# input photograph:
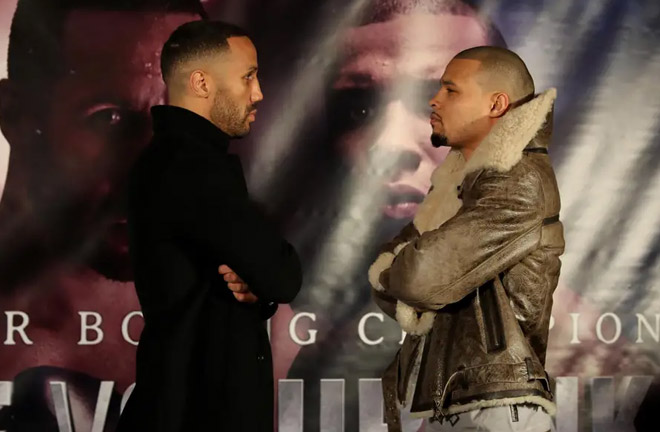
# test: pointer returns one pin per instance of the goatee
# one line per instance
(438, 140)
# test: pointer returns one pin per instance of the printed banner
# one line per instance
(340, 157)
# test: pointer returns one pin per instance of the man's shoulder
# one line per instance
(524, 178)
(181, 157)
(519, 172)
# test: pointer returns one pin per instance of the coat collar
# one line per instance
(503, 146)
(527, 125)
(168, 120)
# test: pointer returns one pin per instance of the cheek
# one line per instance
(241, 98)
(353, 146)
(89, 159)
(74, 148)
(460, 114)
(242, 91)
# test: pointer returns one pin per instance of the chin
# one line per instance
(241, 133)
(439, 140)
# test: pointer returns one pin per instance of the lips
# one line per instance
(403, 202)
(435, 118)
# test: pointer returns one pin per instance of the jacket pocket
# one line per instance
(491, 317)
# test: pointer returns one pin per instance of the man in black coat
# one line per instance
(209, 269)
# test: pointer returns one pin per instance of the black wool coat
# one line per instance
(204, 361)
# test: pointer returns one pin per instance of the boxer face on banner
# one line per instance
(388, 73)
(93, 123)
(73, 136)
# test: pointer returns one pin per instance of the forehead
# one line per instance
(117, 42)
(461, 70)
(114, 57)
(242, 50)
(418, 46)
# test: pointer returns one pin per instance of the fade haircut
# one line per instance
(195, 40)
(502, 70)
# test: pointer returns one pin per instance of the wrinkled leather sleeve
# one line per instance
(496, 227)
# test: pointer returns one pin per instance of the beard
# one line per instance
(227, 115)
(439, 140)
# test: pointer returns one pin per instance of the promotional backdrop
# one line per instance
(340, 157)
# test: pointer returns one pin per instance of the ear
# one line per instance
(499, 104)
(200, 83)
(7, 108)
(16, 122)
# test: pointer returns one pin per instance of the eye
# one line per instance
(113, 122)
(353, 108)
(104, 117)
(361, 113)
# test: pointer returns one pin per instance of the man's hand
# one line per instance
(238, 287)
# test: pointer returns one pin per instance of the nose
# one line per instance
(396, 149)
(435, 101)
(257, 95)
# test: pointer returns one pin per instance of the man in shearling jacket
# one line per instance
(471, 278)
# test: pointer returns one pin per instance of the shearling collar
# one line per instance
(501, 150)
(503, 146)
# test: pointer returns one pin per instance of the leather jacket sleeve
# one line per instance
(499, 223)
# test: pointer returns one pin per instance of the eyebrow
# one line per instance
(355, 79)
(252, 69)
(87, 103)
(447, 82)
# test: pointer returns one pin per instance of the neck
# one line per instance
(467, 153)
(468, 149)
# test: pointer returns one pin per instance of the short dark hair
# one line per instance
(196, 39)
(385, 10)
(34, 57)
(504, 68)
